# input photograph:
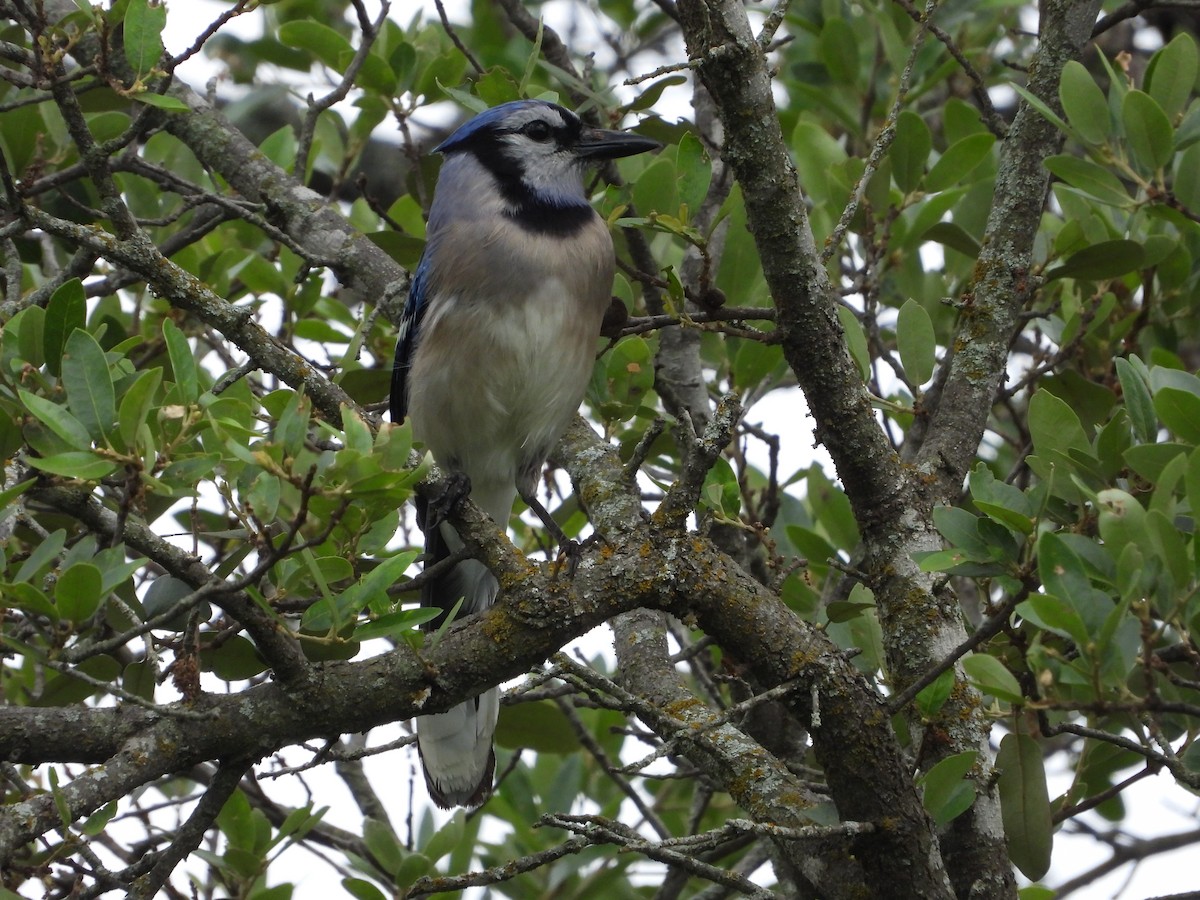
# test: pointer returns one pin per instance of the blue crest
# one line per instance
(489, 118)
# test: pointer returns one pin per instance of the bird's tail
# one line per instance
(456, 746)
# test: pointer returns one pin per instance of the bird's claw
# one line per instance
(573, 552)
(456, 489)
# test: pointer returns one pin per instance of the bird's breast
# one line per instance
(507, 345)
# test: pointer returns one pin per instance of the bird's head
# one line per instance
(537, 151)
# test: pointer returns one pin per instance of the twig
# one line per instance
(316, 107)
(884, 139)
(993, 626)
(992, 119)
(456, 39)
(188, 838)
(506, 871)
(602, 831)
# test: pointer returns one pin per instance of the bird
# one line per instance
(494, 351)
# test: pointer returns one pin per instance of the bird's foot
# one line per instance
(455, 490)
(568, 549)
(573, 551)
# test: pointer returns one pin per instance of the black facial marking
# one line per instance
(547, 218)
(529, 210)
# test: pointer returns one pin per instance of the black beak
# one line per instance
(596, 143)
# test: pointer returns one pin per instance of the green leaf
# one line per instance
(1149, 460)
(22, 595)
(856, 340)
(78, 592)
(1138, 402)
(845, 611)
(818, 156)
(654, 91)
(1191, 757)
(362, 890)
(1094, 180)
(630, 374)
(1084, 103)
(1001, 501)
(838, 49)
(1054, 615)
(1036, 892)
(183, 363)
(1147, 130)
(336, 611)
(1179, 410)
(753, 362)
(136, 404)
(539, 726)
(1109, 259)
(43, 554)
(916, 341)
(1045, 111)
(656, 190)
(1168, 543)
(144, 25)
(234, 659)
(66, 311)
(446, 838)
(1025, 805)
(291, 426)
(933, 696)
(85, 375)
(1187, 177)
(1171, 74)
(385, 849)
(236, 821)
(99, 819)
(1064, 577)
(81, 464)
(947, 792)
(375, 75)
(954, 236)
(161, 101)
(721, 492)
(63, 690)
(8, 495)
(415, 866)
(910, 150)
(831, 510)
(60, 802)
(58, 419)
(960, 160)
(140, 679)
(1053, 425)
(395, 624)
(166, 592)
(280, 148)
(961, 529)
(695, 172)
(322, 41)
(992, 677)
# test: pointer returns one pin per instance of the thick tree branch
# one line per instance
(920, 619)
(1003, 284)
(850, 731)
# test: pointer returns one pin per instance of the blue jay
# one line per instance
(495, 350)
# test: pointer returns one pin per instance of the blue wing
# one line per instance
(408, 337)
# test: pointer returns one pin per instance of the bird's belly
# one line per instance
(495, 381)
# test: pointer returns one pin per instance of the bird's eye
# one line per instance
(539, 131)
